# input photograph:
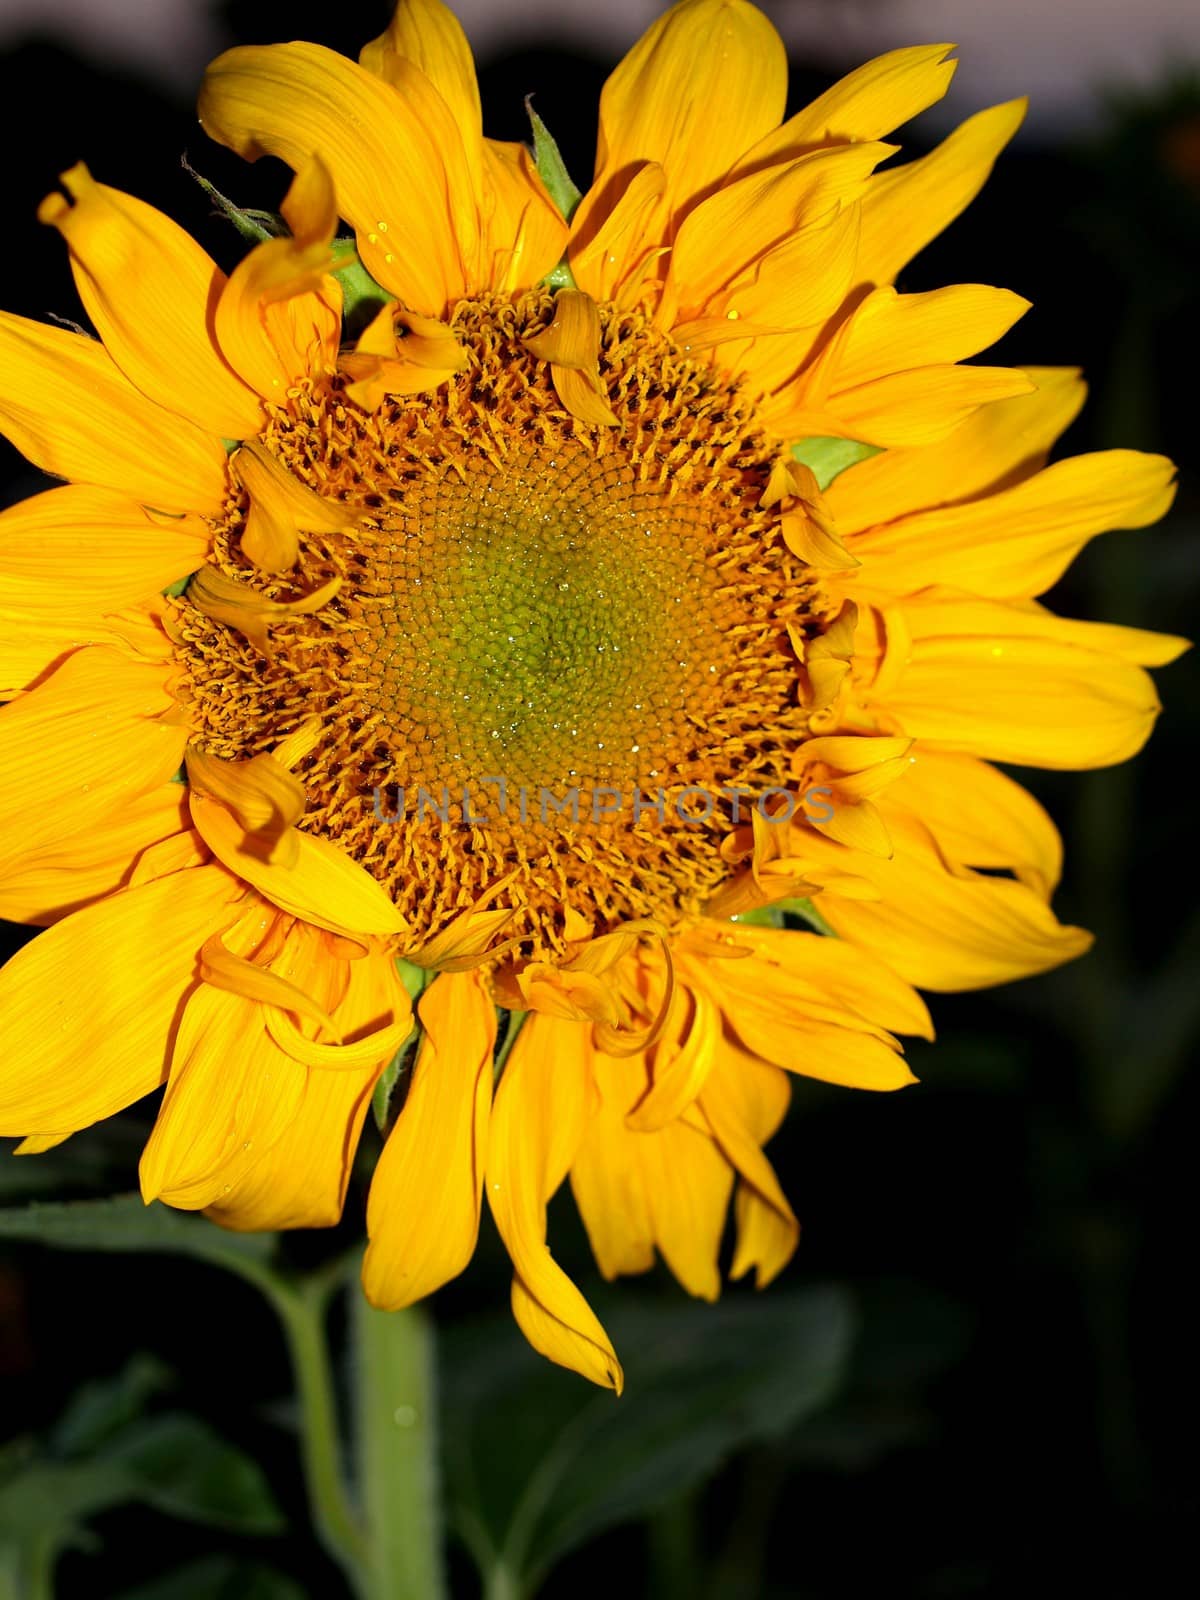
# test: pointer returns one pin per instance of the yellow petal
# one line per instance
(616, 237)
(867, 103)
(1018, 543)
(231, 1095)
(223, 969)
(858, 826)
(705, 82)
(905, 207)
(541, 1111)
(743, 1103)
(87, 1008)
(725, 234)
(583, 395)
(797, 284)
(324, 887)
(67, 406)
(980, 817)
(281, 509)
(301, 1181)
(573, 337)
(525, 236)
(571, 344)
(1014, 683)
(466, 941)
(423, 1212)
(262, 794)
(921, 406)
(608, 1182)
(82, 743)
(815, 1005)
(279, 316)
(72, 557)
(973, 930)
(1001, 443)
(42, 886)
(637, 1192)
(149, 290)
(396, 158)
(892, 332)
(428, 35)
(224, 599)
(683, 1059)
(38, 1143)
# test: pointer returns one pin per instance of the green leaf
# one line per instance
(537, 1466)
(105, 1406)
(552, 169)
(47, 1498)
(180, 1466)
(829, 458)
(124, 1223)
(218, 1578)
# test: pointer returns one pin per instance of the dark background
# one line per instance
(1018, 1228)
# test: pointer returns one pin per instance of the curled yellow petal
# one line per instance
(541, 1112)
(225, 970)
(401, 352)
(682, 1063)
(266, 345)
(226, 600)
(323, 886)
(281, 509)
(352, 1055)
(148, 288)
(571, 344)
(825, 661)
(264, 796)
(808, 527)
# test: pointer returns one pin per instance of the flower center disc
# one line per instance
(545, 632)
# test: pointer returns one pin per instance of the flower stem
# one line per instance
(302, 1310)
(396, 1448)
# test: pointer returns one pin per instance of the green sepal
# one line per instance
(513, 1023)
(760, 917)
(415, 980)
(560, 186)
(362, 297)
(805, 911)
(175, 591)
(253, 225)
(828, 458)
(561, 277)
(552, 169)
(784, 914)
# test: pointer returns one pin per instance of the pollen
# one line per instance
(542, 633)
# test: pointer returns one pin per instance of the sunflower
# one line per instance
(477, 667)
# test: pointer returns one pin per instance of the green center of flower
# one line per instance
(551, 621)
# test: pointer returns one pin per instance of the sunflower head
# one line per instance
(591, 617)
